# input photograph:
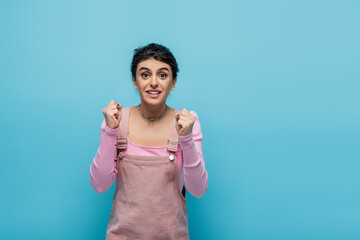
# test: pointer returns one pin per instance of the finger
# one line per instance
(184, 111)
(182, 122)
(181, 118)
(178, 127)
(115, 105)
(177, 117)
(189, 117)
(114, 111)
(186, 117)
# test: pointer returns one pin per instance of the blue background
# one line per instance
(275, 84)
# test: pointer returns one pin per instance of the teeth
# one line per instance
(154, 93)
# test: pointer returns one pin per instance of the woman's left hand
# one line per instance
(184, 123)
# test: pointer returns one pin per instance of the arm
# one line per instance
(103, 168)
(195, 174)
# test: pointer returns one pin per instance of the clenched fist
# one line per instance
(112, 113)
(184, 123)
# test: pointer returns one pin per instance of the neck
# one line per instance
(152, 111)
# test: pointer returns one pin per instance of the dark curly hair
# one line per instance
(157, 52)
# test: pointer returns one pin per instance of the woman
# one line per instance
(152, 151)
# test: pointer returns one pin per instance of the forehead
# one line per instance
(153, 64)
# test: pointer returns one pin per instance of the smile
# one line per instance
(153, 93)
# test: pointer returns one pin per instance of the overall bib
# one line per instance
(147, 203)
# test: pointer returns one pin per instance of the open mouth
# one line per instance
(153, 92)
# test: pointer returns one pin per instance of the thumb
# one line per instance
(119, 106)
(177, 117)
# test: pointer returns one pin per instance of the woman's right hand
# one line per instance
(112, 113)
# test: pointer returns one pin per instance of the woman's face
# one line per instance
(154, 81)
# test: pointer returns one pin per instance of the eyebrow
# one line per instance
(145, 68)
(164, 68)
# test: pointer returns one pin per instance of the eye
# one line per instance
(145, 75)
(163, 75)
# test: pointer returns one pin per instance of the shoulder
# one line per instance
(127, 110)
(192, 112)
(128, 107)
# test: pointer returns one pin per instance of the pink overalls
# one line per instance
(147, 203)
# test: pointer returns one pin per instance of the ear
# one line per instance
(134, 82)
(174, 83)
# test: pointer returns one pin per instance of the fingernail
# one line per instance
(177, 115)
(117, 104)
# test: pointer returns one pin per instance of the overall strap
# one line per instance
(121, 141)
(173, 141)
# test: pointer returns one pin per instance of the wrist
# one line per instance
(111, 131)
(185, 138)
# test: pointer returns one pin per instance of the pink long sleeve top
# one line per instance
(191, 163)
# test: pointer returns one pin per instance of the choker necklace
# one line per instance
(154, 118)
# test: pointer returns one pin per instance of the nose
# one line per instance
(153, 82)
